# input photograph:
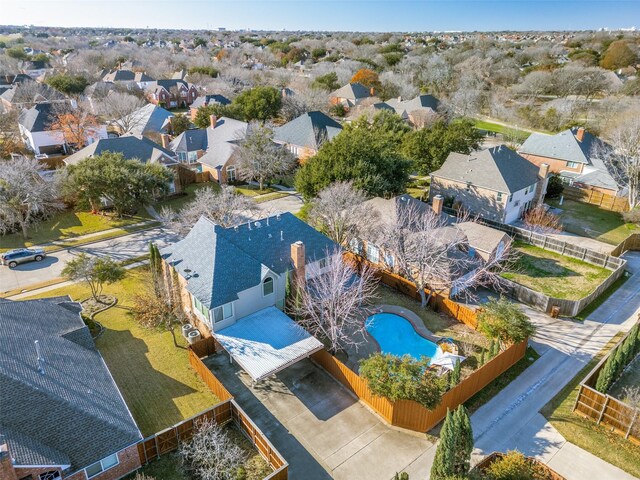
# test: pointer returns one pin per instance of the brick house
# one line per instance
(213, 147)
(171, 93)
(204, 100)
(350, 95)
(496, 183)
(62, 414)
(304, 135)
(572, 155)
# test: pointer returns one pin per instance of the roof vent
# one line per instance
(39, 359)
(281, 235)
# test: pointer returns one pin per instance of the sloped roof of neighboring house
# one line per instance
(309, 130)
(31, 92)
(37, 118)
(562, 146)
(421, 101)
(150, 118)
(219, 154)
(203, 100)
(499, 169)
(352, 91)
(227, 130)
(99, 89)
(124, 75)
(72, 414)
(214, 255)
(389, 209)
(142, 77)
(483, 238)
(130, 146)
(167, 84)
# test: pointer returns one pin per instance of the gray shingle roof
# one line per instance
(225, 261)
(309, 130)
(499, 169)
(130, 146)
(37, 118)
(227, 130)
(150, 118)
(73, 414)
(352, 91)
(563, 146)
(203, 100)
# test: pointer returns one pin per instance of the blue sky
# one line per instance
(350, 15)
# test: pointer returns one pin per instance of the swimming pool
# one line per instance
(396, 336)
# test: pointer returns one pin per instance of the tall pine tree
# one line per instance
(444, 461)
(464, 442)
(606, 375)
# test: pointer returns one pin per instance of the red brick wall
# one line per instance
(34, 472)
(129, 461)
(555, 166)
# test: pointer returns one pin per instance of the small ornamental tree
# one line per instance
(94, 271)
(444, 461)
(403, 378)
(454, 378)
(367, 77)
(540, 220)
(464, 441)
(505, 321)
(515, 466)
(555, 187)
(179, 124)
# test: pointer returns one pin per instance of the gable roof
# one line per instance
(73, 413)
(309, 130)
(417, 103)
(227, 130)
(37, 118)
(214, 255)
(31, 92)
(352, 91)
(150, 118)
(130, 146)
(125, 75)
(562, 146)
(499, 169)
(203, 100)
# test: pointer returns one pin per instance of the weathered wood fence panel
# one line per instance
(208, 377)
(632, 242)
(409, 414)
(602, 200)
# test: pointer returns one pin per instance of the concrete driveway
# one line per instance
(120, 248)
(319, 427)
(292, 203)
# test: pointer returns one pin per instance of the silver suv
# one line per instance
(21, 255)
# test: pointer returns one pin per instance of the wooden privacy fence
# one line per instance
(208, 377)
(632, 242)
(440, 303)
(602, 200)
(495, 456)
(409, 414)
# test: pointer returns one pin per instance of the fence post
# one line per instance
(544, 243)
(604, 407)
(633, 420)
(575, 405)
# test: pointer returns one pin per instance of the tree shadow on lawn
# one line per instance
(533, 266)
(149, 393)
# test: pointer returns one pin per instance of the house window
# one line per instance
(572, 164)
(526, 190)
(182, 156)
(193, 157)
(204, 311)
(356, 246)
(231, 174)
(389, 260)
(104, 464)
(267, 286)
(373, 253)
(499, 198)
(51, 475)
(322, 263)
(223, 312)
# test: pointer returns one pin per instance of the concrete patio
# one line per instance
(320, 427)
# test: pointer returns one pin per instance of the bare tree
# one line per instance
(540, 220)
(211, 454)
(423, 248)
(259, 158)
(622, 157)
(226, 208)
(121, 109)
(631, 396)
(333, 303)
(339, 212)
(25, 197)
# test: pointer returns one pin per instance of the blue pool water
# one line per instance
(396, 336)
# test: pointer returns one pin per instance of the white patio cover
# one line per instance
(267, 342)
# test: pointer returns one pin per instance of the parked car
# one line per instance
(22, 255)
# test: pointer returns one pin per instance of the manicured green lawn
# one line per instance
(520, 135)
(553, 274)
(585, 433)
(153, 375)
(271, 196)
(590, 221)
(419, 188)
(179, 201)
(67, 225)
(253, 190)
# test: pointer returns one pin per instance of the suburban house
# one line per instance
(130, 146)
(350, 95)
(304, 135)
(149, 120)
(128, 78)
(212, 147)
(25, 93)
(573, 154)
(204, 100)
(233, 282)
(171, 93)
(35, 128)
(62, 414)
(495, 184)
(418, 111)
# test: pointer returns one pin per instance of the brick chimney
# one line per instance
(298, 260)
(7, 471)
(212, 121)
(437, 202)
(580, 134)
(541, 186)
(372, 92)
(164, 138)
